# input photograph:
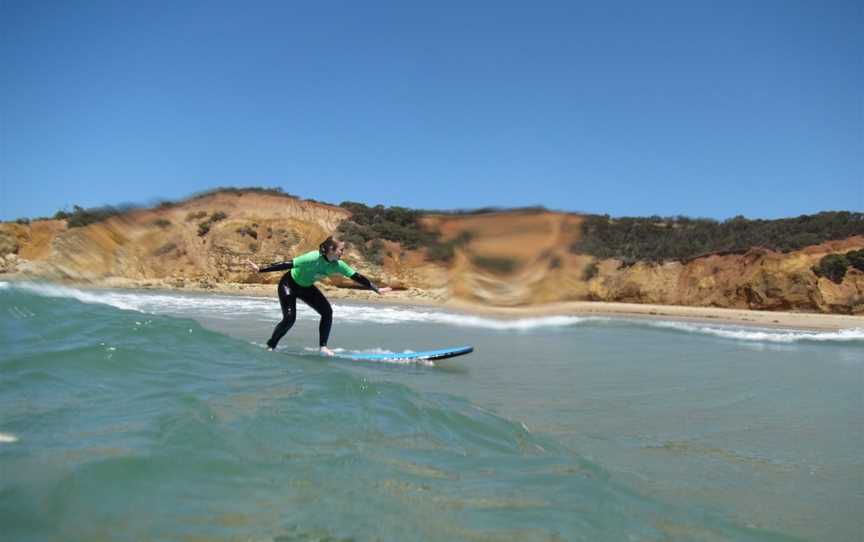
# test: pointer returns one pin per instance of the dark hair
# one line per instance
(327, 244)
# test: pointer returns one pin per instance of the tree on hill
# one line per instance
(681, 238)
(368, 226)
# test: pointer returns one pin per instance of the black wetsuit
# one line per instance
(289, 291)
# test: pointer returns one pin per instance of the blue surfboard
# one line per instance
(429, 355)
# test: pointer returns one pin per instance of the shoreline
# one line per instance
(438, 300)
(704, 315)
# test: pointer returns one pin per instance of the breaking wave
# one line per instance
(232, 307)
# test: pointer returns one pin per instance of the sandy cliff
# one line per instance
(508, 259)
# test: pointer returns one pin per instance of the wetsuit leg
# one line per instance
(288, 301)
(315, 299)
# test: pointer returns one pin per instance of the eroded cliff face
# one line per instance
(505, 259)
(165, 243)
(544, 270)
(759, 279)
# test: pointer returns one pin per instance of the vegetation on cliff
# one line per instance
(204, 227)
(834, 266)
(532, 209)
(368, 226)
(80, 217)
(238, 192)
(657, 239)
(630, 239)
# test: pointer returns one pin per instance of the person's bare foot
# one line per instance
(327, 352)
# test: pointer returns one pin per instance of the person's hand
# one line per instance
(384, 290)
(252, 264)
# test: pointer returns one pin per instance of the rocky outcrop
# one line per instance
(504, 259)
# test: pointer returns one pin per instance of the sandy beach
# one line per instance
(794, 320)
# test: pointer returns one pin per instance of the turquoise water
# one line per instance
(144, 415)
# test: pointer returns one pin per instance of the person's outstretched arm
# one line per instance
(272, 267)
(366, 283)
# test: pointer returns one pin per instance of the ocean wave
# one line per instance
(762, 334)
(396, 315)
(66, 292)
(211, 305)
(233, 307)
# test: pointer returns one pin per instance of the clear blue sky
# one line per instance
(694, 107)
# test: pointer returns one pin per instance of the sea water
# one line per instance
(140, 415)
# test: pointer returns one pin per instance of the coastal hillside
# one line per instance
(498, 258)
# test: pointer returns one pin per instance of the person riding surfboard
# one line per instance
(299, 282)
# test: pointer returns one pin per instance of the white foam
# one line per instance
(395, 315)
(341, 351)
(267, 308)
(6, 438)
(763, 334)
(93, 297)
(234, 307)
(157, 303)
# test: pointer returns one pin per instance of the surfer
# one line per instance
(299, 281)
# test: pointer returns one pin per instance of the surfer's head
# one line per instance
(331, 249)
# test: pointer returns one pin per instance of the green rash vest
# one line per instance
(312, 266)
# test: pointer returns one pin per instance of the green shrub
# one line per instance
(856, 259)
(204, 227)
(681, 238)
(399, 224)
(81, 217)
(195, 216)
(368, 226)
(239, 191)
(23, 221)
(590, 271)
(532, 209)
(376, 251)
(162, 223)
(833, 267)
